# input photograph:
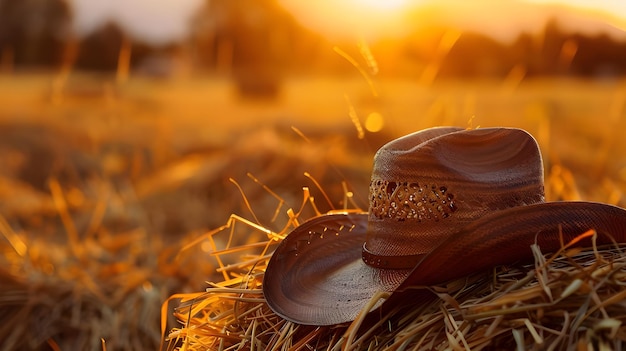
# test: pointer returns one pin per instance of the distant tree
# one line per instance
(551, 45)
(254, 41)
(599, 56)
(247, 40)
(100, 50)
(525, 52)
(34, 31)
(476, 55)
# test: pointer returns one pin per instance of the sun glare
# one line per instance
(352, 17)
(503, 20)
(384, 5)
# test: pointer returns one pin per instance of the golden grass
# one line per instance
(78, 292)
(92, 243)
(573, 299)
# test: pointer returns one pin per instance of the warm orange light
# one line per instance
(361, 18)
(382, 5)
(502, 19)
(374, 122)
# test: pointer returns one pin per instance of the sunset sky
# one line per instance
(160, 21)
(155, 21)
(503, 19)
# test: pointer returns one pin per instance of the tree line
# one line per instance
(259, 38)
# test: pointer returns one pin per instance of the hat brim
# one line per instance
(317, 277)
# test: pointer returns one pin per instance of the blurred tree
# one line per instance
(250, 42)
(254, 41)
(552, 51)
(476, 55)
(257, 42)
(100, 50)
(33, 32)
(553, 40)
(599, 56)
(525, 52)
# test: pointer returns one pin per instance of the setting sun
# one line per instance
(362, 18)
(501, 19)
(389, 5)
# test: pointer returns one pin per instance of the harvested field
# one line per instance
(107, 192)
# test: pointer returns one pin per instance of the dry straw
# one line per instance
(79, 294)
(574, 299)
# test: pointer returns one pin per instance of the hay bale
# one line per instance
(574, 299)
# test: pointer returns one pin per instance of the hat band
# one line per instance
(390, 262)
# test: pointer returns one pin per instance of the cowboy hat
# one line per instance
(443, 203)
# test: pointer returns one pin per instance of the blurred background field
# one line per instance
(120, 132)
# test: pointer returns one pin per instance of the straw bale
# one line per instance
(572, 300)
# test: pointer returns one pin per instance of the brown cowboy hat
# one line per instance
(443, 203)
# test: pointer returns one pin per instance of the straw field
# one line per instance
(116, 204)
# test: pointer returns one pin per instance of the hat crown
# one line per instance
(426, 185)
